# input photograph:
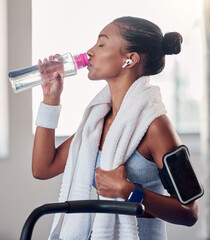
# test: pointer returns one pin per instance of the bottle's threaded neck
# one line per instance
(81, 60)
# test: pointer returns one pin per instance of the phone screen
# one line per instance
(183, 175)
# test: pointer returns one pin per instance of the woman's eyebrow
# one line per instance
(103, 35)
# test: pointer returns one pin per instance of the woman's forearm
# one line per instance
(115, 184)
(170, 209)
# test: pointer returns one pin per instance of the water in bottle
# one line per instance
(66, 65)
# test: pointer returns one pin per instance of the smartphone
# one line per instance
(179, 177)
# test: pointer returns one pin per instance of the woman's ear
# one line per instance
(135, 57)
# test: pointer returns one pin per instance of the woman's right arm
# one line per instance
(48, 161)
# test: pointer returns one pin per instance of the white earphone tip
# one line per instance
(127, 62)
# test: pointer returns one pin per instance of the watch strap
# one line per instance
(137, 195)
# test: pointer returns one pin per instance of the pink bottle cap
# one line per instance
(81, 60)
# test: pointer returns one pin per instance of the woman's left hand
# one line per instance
(113, 183)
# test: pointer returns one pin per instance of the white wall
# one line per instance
(19, 192)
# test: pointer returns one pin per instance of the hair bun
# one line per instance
(172, 43)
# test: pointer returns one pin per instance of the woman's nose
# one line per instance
(90, 52)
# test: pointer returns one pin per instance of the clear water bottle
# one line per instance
(66, 65)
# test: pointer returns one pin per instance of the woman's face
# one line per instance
(106, 56)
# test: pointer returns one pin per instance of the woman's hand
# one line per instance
(52, 72)
(113, 183)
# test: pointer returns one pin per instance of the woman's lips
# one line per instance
(89, 65)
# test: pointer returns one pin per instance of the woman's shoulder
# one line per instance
(160, 138)
(160, 123)
(161, 128)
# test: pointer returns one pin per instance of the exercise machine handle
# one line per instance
(83, 206)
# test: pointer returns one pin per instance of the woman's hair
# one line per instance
(146, 38)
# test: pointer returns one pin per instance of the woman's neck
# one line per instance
(118, 91)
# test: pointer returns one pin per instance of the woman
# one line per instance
(127, 50)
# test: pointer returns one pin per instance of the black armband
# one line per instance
(178, 176)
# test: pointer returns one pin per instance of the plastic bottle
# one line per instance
(66, 65)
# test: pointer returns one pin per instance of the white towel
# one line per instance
(141, 105)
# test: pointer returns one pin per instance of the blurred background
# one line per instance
(38, 28)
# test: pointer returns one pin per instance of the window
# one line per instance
(73, 26)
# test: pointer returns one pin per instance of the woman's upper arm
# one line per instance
(61, 154)
(162, 138)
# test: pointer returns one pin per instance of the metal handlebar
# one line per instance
(84, 206)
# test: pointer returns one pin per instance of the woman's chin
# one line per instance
(94, 78)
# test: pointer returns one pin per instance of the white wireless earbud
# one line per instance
(127, 62)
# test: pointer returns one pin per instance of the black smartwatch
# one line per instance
(137, 195)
